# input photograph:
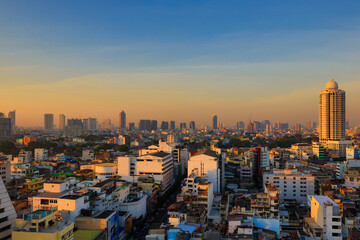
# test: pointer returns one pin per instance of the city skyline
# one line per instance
(201, 62)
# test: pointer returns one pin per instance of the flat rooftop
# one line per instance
(104, 214)
(71, 197)
(325, 201)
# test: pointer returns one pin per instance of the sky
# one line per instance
(177, 60)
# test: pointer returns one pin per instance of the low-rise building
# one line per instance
(43, 224)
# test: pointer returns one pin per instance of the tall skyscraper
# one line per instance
(297, 127)
(332, 113)
(131, 126)
(172, 125)
(92, 124)
(5, 128)
(153, 125)
(85, 122)
(215, 122)
(12, 117)
(61, 121)
(48, 121)
(192, 125)
(164, 125)
(182, 126)
(122, 120)
(145, 125)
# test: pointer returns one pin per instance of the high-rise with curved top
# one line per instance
(332, 113)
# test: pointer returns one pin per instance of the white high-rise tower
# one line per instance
(332, 113)
(332, 118)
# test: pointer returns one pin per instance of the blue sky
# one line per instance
(231, 57)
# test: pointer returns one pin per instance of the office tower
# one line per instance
(172, 125)
(92, 124)
(314, 125)
(131, 126)
(297, 127)
(5, 128)
(153, 125)
(332, 113)
(308, 125)
(145, 125)
(7, 214)
(164, 125)
(74, 127)
(182, 126)
(215, 122)
(61, 121)
(12, 117)
(48, 121)
(85, 124)
(122, 120)
(192, 125)
(74, 122)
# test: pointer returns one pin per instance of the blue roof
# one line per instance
(186, 228)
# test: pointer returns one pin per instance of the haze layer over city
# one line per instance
(176, 61)
(179, 120)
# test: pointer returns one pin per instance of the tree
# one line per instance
(9, 147)
(122, 148)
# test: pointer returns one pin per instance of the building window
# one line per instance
(4, 219)
(44, 201)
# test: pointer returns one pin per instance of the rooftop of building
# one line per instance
(325, 201)
(51, 195)
(71, 197)
(205, 152)
(103, 183)
(158, 154)
(104, 214)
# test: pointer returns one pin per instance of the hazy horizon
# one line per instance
(177, 61)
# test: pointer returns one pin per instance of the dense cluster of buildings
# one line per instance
(182, 182)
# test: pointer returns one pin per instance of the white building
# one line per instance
(332, 118)
(56, 186)
(291, 184)
(26, 155)
(326, 215)
(211, 165)
(127, 168)
(5, 170)
(102, 171)
(7, 213)
(41, 154)
(135, 203)
(60, 201)
(159, 165)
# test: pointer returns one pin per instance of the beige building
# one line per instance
(43, 224)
